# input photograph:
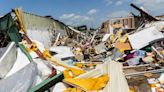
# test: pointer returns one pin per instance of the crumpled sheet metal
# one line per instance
(21, 81)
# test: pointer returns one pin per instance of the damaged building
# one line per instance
(126, 22)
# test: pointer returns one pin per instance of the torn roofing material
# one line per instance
(144, 37)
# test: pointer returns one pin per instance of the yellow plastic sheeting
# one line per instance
(72, 72)
(89, 84)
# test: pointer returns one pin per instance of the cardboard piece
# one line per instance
(123, 46)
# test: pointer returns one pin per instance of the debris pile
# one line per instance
(43, 54)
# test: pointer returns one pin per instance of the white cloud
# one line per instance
(68, 16)
(92, 11)
(109, 2)
(75, 19)
(121, 13)
(73, 16)
(119, 2)
(155, 7)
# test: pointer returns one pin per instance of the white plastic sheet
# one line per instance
(43, 69)
(8, 58)
(21, 81)
(59, 87)
(20, 62)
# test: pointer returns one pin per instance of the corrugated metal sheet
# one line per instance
(42, 28)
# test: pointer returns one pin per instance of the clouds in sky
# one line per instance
(75, 19)
(116, 2)
(108, 2)
(153, 6)
(120, 13)
(92, 11)
(120, 2)
(73, 16)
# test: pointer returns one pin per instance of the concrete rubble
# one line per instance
(42, 54)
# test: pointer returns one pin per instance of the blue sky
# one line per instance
(79, 12)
